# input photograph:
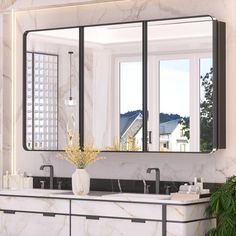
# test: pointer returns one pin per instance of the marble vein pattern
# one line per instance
(114, 227)
(126, 210)
(90, 215)
(180, 167)
(184, 213)
(190, 229)
(35, 204)
(28, 224)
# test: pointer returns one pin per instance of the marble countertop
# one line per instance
(100, 196)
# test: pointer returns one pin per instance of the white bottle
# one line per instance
(20, 181)
(28, 182)
(198, 181)
(13, 182)
(6, 178)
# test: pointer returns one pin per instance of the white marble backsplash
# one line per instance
(178, 167)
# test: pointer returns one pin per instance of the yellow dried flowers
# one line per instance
(78, 157)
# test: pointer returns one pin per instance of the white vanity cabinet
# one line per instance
(113, 227)
(63, 214)
(33, 224)
(24, 216)
(115, 218)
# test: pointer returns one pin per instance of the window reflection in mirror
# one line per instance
(113, 87)
(131, 118)
(206, 105)
(179, 78)
(52, 78)
(174, 113)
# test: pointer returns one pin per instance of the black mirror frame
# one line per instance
(219, 83)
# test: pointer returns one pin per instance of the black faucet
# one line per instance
(51, 173)
(157, 178)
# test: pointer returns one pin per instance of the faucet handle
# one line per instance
(146, 189)
(59, 183)
(42, 182)
(167, 189)
(119, 185)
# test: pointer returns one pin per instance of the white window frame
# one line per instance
(194, 90)
(116, 86)
(154, 98)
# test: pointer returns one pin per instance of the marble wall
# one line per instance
(183, 167)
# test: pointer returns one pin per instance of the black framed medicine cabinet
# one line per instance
(146, 86)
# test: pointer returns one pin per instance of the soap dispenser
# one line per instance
(6, 178)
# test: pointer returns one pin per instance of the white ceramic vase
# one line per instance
(80, 182)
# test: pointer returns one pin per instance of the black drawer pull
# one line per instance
(49, 214)
(9, 212)
(92, 217)
(138, 221)
(150, 137)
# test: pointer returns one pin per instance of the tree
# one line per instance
(185, 126)
(206, 113)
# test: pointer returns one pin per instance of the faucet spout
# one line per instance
(157, 170)
(51, 173)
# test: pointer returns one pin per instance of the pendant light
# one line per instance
(70, 101)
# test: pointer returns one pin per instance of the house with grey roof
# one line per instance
(131, 124)
(172, 137)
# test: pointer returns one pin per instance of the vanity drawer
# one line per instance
(35, 204)
(186, 213)
(117, 209)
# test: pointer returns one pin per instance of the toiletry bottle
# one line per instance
(13, 182)
(198, 181)
(20, 180)
(6, 180)
(30, 181)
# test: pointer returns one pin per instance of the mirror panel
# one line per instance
(180, 55)
(180, 86)
(52, 61)
(113, 87)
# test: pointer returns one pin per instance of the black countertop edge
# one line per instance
(111, 185)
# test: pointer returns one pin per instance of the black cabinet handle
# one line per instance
(49, 214)
(150, 137)
(92, 217)
(138, 220)
(9, 212)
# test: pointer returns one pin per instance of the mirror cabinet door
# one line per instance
(52, 64)
(180, 83)
(180, 78)
(113, 87)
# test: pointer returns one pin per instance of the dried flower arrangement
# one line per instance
(130, 145)
(115, 145)
(80, 158)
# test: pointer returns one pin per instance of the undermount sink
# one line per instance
(43, 192)
(108, 195)
(100, 194)
(141, 195)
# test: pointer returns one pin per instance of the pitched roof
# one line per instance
(169, 126)
(127, 119)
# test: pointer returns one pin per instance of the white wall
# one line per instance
(213, 167)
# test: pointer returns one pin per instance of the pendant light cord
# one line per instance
(70, 53)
